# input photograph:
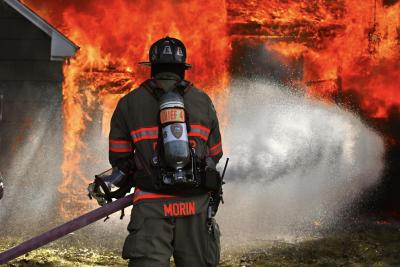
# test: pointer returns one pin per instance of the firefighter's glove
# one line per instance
(97, 193)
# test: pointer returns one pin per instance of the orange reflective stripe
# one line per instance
(198, 130)
(150, 133)
(216, 152)
(145, 137)
(140, 195)
(216, 146)
(121, 150)
(216, 149)
(144, 129)
(146, 133)
(119, 141)
(201, 127)
(120, 146)
(198, 135)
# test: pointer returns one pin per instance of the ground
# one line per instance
(375, 244)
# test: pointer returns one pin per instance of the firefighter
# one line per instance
(165, 137)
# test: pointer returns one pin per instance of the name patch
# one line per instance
(180, 209)
(172, 115)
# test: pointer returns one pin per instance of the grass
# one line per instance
(375, 245)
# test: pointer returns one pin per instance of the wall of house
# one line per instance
(30, 123)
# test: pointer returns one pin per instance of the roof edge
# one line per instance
(61, 46)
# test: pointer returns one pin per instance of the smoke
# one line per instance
(296, 164)
(390, 2)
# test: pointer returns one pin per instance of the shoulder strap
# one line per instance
(183, 86)
(152, 86)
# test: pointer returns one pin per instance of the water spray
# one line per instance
(295, 161)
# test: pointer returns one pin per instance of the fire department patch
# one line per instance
(177, 130)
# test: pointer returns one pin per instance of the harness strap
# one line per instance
(154, 88)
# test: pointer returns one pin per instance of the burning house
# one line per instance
(343, 52)
(32, 56)
(337, 51)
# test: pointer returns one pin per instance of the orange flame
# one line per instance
(346, 45)
(114, 36)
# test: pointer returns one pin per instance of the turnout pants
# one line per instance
(160, 229)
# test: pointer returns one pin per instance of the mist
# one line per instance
(33, 174)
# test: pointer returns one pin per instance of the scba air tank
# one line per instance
(174, 130)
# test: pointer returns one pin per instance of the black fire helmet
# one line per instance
(167, 50)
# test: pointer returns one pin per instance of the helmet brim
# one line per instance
(187, 66)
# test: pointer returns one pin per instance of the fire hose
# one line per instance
(65, 229)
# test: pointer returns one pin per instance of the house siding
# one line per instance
(31, 121)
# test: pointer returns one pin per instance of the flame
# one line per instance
(346, 46)
(115, 35)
